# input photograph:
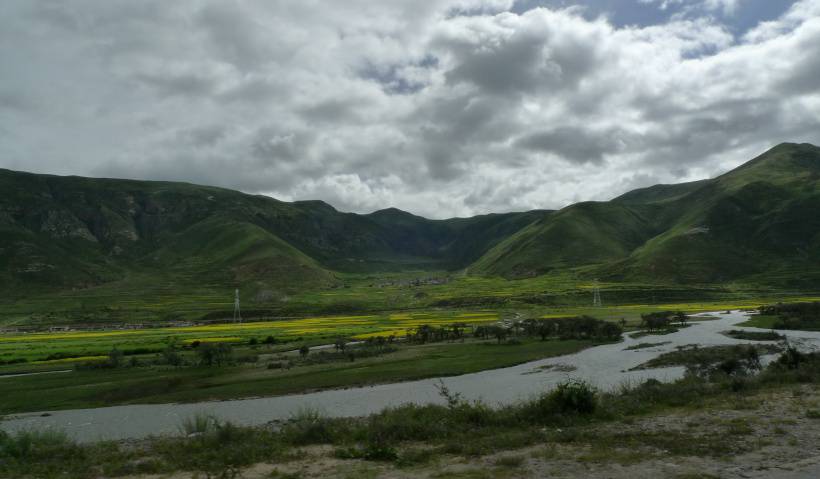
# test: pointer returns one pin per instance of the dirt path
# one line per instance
(769, 435)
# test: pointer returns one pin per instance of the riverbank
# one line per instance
(711, 424)
(771, 435)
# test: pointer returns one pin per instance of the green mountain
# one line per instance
(59, 233)
(758, 223)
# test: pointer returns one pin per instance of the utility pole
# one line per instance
(237, 314)
(596, 295)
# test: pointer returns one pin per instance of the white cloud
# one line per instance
(447, 107)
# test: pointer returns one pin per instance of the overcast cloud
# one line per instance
(443, 108)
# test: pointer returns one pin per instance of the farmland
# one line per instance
(265, 356)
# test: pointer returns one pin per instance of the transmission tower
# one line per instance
(596, 295)
(237, 314)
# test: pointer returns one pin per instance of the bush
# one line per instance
(573, 397)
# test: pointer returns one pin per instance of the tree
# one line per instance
(340, 344)
(655, 321)
(211, 354)
(500, 333)
(171, 355)
(115, 357)
(304, 350)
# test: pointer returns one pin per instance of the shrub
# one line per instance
(573, 397)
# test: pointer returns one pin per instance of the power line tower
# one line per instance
(237, 314)
(596, 295)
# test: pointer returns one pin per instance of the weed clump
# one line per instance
(568, 399)
(309, 426)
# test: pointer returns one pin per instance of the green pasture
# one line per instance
(149, 299)
(98, 388)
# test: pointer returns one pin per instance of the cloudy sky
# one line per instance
(441, 107)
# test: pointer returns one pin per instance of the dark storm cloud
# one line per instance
(446, 107)
(235, 34)
(204, 136)
(572, 143)
(178, 84)
(272, 146)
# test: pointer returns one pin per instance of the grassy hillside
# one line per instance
(582, 234)
(756, 223)
(69, 233)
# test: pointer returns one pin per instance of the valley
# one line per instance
(118, 322)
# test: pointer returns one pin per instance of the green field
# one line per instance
(155, 382)
(167, 384)
(36, 348)
(55, 348)
(141, 300)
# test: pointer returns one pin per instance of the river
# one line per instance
(605, 366)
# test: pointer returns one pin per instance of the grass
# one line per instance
(754, 335)
(461, 428)
(657, 332)
(165, 384)
(760, 321)
(143, 298)
(695, 356)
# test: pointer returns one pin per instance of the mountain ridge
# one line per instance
(64, 232)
